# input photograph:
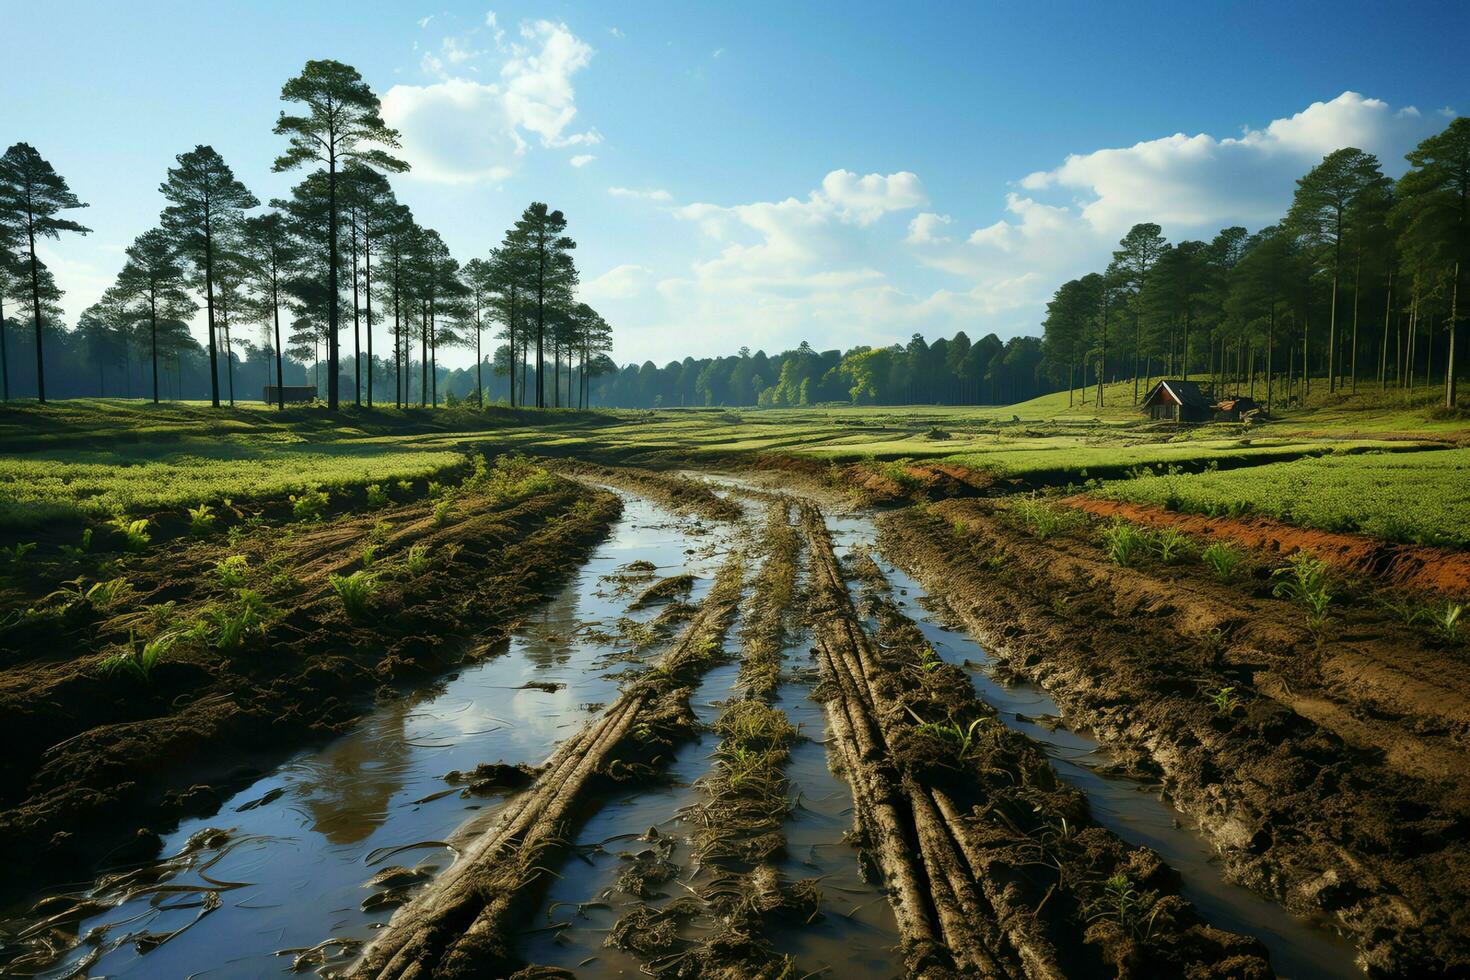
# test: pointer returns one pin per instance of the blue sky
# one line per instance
(759, 173)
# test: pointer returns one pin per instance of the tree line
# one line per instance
(950, 371)
(1358, 283)
(276, 284)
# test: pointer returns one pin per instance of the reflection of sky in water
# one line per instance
(355, 795)
(305, 856)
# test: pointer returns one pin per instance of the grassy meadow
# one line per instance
(1345, 465)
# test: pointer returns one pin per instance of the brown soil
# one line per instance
(992, 865)
(1417, 567)
(1336, 785)
(96, 766)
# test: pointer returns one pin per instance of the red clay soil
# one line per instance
(1406, 566)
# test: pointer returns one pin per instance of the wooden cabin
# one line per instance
(1179, 401)
(1235, 408)
(293, 394)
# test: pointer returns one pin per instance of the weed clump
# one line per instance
(1043, 519)
(355, 591)
(1124, 542)
(309, 505)
(232, 571)
(139, 658)
(1304, 580)
(201, 520)
(135, 533)
(1221, 559)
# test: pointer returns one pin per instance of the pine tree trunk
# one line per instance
(1449, 368)
(333, 261)
(356, 326)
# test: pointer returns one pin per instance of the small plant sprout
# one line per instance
(355, 591)
(139, 658)
(135, 533)
(928, 660)
(1446, 620)
(226, 628)
(442, 513)
(962, 738)
(1170, 544)
(201, 520)
(416, 559)
(376, 496)
(368, 555)
(106, 594)
(1225, 701)
(75, 552)
(1124, 542)
(1122, 902)
(405, 487)
(309, 506)
(1304, 580)
(435, 489)
(1221, 560)
(233, 571)
(12, 555)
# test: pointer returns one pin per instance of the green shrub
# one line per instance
(368, 555)
(355, 591)
(435, 489)
(1221, 559)
(108, 593)
(377, 496)
(443, 510)
(309, 506)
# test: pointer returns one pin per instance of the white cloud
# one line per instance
(582, 159)
(620, 282)
(616, 32)
(461, 130)
(657, 194)
(1200, 180)
(829, 268)
(925, 227)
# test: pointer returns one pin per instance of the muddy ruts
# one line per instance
(463, 925)
(1296, 812)
(680, 494)
(737, 894)
(992, 867)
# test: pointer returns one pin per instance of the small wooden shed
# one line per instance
(294, 394)
(1234, 408)
(1179, 401)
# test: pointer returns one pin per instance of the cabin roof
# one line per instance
(1186, 393)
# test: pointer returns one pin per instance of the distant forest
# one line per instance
(1358, 283)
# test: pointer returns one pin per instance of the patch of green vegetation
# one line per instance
(1418, 497)
(355, 591)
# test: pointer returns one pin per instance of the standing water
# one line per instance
(277, 877)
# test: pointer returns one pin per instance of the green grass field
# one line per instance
(90, 459)
(1419, 498)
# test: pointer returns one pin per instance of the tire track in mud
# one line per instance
(1296, 814)
(463, 925)
(737, 895)
(971, 830)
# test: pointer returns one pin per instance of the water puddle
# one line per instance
(276, 878)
